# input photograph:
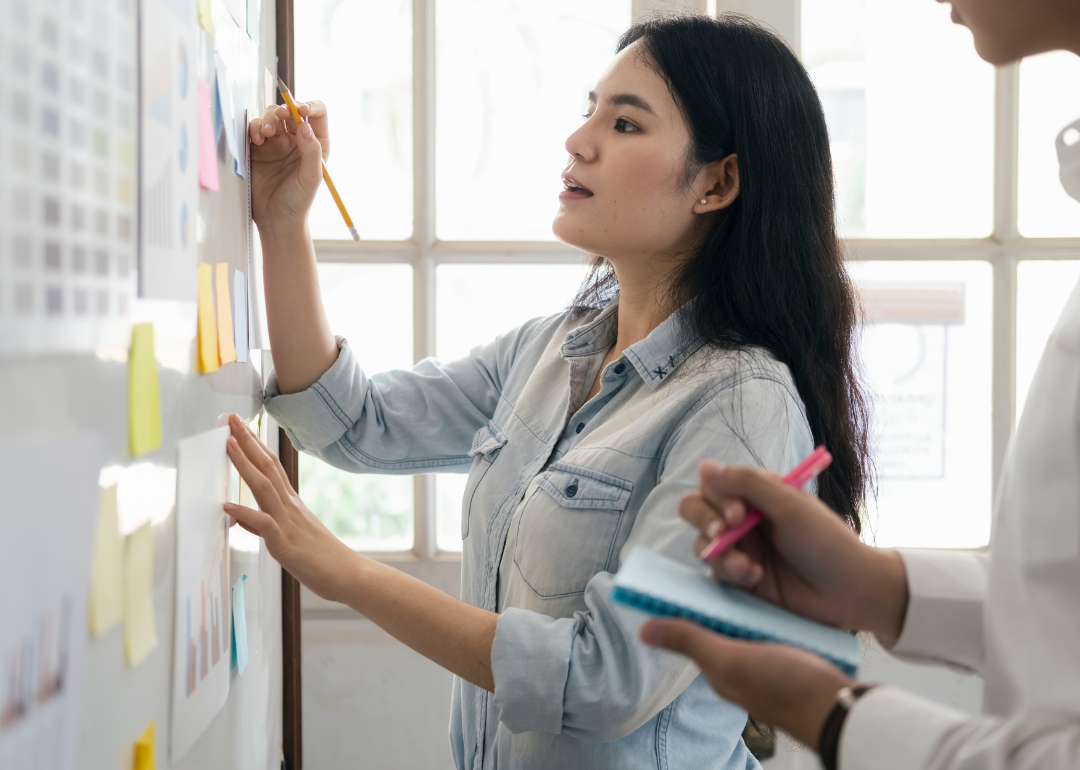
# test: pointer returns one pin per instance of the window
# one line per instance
(960, 241)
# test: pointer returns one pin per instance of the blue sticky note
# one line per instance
(240, 316)
(240, 646)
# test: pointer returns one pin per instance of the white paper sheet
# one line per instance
(170, 150)
(47, 515)
(68, 243)
(203, 624)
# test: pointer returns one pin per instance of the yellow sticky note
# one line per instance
(226, 348)
(140, 633)
(144, 750)
(106, 581)
(208, 342)
(205, 19)
(144, 398)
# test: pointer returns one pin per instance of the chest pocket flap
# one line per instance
(567, 530)
(486, 445)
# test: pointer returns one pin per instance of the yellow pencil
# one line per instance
(325, 174)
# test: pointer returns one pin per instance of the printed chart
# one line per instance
(43, 633)
(67, 194)
(168, 150)
(203, 627)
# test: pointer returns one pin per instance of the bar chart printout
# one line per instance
(203, 627)
(43, 591)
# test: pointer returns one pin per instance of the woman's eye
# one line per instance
(586, 116)
(624, 126)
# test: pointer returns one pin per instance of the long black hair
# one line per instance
(770, 272)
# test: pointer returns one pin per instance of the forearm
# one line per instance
(301, 342)
(443, 629)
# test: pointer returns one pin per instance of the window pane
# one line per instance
(474, 305)
(1042, 288)
(512, 84)
(356, 56)
(369, 512)
(912, 148)
(926, 351)
(1047, 105)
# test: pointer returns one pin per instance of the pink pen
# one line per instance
(815, 463)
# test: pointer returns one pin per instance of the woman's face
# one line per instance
(1008, 30)
(625, 195)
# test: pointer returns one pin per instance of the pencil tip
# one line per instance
(281, 84)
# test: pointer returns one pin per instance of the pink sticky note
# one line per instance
(208, 176)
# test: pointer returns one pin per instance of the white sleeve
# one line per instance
(944, 620)
(889, 729)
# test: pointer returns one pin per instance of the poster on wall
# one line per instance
(68, 187)
(43, 596)
(169, 151)
(203, 614)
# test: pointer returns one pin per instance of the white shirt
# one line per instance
(1014, 617)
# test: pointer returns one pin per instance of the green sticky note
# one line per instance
(239, 645)
(144, 397)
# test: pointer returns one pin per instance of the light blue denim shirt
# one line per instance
(558, 490)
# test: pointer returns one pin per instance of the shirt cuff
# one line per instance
(319, 416)
(944, 620)
(530, 661)
(889, 729)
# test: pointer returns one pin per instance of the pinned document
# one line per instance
(144, 397)
(208, 171)
(225, 343)
(144, 750)
(106, 569)
(240, 644)
(233, 116)
(240, 316)
(207, 335)
(140, 632)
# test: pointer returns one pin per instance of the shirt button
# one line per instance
(571, 490)
(620, 368)
(580, 427)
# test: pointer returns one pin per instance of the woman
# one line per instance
(718, 322)
(1012, 615)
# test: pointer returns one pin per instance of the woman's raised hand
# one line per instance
(801, 556)
(293, 536)
(286, 168)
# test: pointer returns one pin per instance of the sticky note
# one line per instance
(207, 335)
(240, 645)
(140, 632)
(208, 176)
(226, 349)
(144, 397)
(240, 315)
(206, 21)
(106, 574)
(144, 750)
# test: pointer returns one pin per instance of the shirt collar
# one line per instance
(656, 357)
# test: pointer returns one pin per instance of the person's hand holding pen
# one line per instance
(286, 164)
(802, 557)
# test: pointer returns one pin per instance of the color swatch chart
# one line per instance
(68, 188)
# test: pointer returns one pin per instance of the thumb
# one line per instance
(310, 155)
(685, 638)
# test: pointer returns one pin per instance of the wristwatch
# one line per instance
(829, 740)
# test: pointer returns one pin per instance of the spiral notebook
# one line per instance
(659, 585)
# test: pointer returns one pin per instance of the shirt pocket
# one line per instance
(486, 445)
(566, 535)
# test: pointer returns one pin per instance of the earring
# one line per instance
(703, 202)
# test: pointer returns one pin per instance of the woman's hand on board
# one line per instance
(783, 686)
(293, 535)
(801, 556)
(286, 163)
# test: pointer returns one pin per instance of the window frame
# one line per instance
(1003, 249)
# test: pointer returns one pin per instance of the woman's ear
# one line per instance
(720, 180)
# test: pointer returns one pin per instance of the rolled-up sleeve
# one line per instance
(589, 676)
(401, 421)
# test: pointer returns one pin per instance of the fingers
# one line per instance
(315, 114)
(764, 491)
(261, 457)
(255, 522)
(265, 491)
(710, 651)
(276, 119)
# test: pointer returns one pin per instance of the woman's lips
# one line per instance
(573, 189)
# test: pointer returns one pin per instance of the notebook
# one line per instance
(659, 585)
